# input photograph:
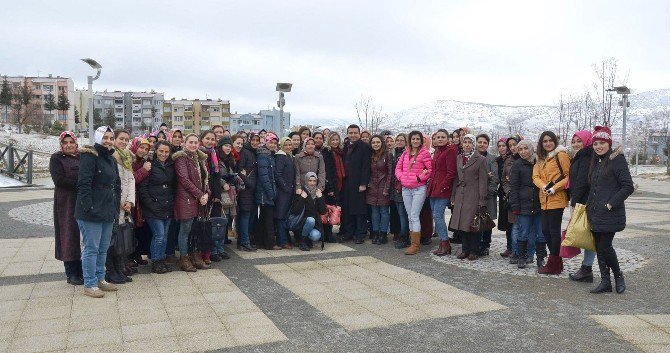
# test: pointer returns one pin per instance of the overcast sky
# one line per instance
(401, 53)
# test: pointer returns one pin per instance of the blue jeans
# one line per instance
(218, 244)
(380, 218)
(589, 257)
(282, 230)
(438, 206)
(514, 237)
(159, 229)
(530, 230)
(404, 223)
(308, 230)
(173, 231)
(96, 237)
(414, 199)
(243, 227)
(182, 238)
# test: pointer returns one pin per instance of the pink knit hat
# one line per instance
(602, 133)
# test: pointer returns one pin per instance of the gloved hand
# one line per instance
(516, 212)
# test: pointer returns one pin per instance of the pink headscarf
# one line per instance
(137, 141)
(269, 137)
(585, 136)
(71, 134)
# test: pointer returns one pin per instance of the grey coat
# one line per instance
(469, 192)
(493, 181)
(310, 163)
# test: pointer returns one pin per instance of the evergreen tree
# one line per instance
(6, 97)
(49, 105)
(63, 103)
(110, 119)
(97, 118)
(76, 116)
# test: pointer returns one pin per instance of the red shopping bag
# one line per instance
(334, 214)
(568, 252)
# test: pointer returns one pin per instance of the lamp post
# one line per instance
(624, 92)
(281, 88)
(94, 64)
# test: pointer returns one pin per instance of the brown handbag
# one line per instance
(482, 222)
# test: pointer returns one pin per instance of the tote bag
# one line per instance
(579, 233)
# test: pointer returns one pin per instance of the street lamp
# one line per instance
(624, 92)
(94, 64)
(281, 88)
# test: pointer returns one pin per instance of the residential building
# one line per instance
(194, 116)
(267, 120)
(138, 112)
(42, 88)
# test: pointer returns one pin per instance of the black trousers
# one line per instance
(73, 269)
(470, 242)
(356, 226)
(607, 258)
(551, 227)
(265, 234)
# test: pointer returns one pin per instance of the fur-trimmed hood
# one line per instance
(94, 151)
(556, 151)
(201, 155)
(616, 152)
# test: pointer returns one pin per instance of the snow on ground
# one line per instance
(6, 181)
(43, 145)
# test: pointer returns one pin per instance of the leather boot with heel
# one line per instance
(415, 243)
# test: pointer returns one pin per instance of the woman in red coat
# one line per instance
(379, 189)
(192, 192)
(441, 186)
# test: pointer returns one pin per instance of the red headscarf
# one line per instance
(71, 134)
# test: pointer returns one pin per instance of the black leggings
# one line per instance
(471, 242)
(551, 228)
(265, 237)
(607, 258)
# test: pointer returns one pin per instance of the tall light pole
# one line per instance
(624, 92)
(94, 64)
(281, 88)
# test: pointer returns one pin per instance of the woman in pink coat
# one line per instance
(413, 170)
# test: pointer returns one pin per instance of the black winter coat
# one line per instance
(313, 208)
(98, 186)
(331, 177)
(579, 176)
(356, 159)
(285, 180)
(245, 197)
(266, 189)
(157, 191)
(610, 183)
(524, 196)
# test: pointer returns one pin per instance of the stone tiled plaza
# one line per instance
(346, 298)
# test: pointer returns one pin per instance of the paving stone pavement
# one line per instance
(347, 298)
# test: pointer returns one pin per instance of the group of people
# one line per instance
(278, 193)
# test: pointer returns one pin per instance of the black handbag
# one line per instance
(482, 222)
(123, 238)
(201, 231)
(219, 225)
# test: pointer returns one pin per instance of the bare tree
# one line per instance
(24, 109)
(607, 76)
(369, 116)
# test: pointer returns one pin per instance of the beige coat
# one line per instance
(469, 192)
(305, 164)
(127, 186)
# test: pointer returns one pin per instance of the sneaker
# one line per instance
(94, 292)
(107, 287)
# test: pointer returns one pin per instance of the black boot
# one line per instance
(604, 286)
(541, 253)
(119, 263)
(112, 276)
(304, 246)
(619, 283)
(383, 238)
(521, 260)
(403, 241)
(375, 237)
(585, 274)
(73, 273)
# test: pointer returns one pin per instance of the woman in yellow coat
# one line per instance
(550, 175)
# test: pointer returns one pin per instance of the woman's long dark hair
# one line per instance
(409, 141)
(605, 167)
(377, 155)
(541, 153)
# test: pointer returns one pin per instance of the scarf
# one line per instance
(213, 160)
(339, 166)
(467, 155)
(310, 190)
(236, 155)
(126, 159)
(71, 134)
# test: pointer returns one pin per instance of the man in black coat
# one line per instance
(357, 176)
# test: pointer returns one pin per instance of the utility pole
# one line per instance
(94, 64)
(281, 88)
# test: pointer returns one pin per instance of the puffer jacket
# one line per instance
(579, 176)
(524, 197)
(408, 169)
(546, 171)
(158, 190)
(191, 171)
(285, 182)
(610, 183)
(380, 181)
(246, 197)
(444, 172)
(98, 185)
(266, 189)
(127, 185)
(304, 164)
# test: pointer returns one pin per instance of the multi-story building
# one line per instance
(138, 112)
(43, 87)
(194, 116)
(268, 120)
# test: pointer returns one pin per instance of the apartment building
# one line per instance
(138, 112)
(194, 116)
(268, 120)
(43, 87)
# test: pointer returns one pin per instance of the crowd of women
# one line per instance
(278, 193)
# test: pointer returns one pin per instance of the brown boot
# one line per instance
(415, 246)
(443, 249)
(185, 264)
(196, 258)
